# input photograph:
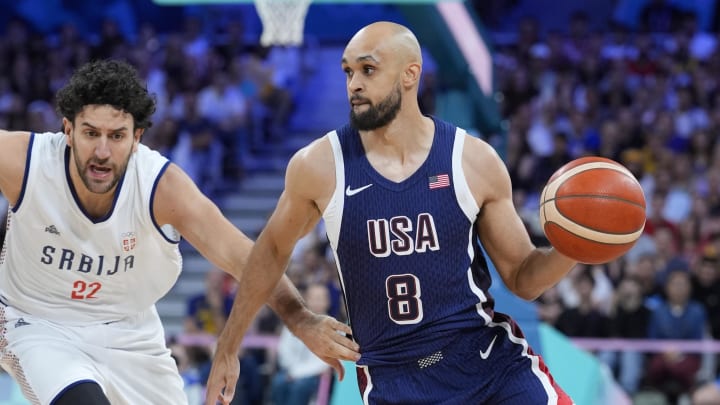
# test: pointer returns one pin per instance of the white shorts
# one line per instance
(128, 358)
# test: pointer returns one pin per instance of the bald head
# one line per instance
(389, 38)
(382, 65)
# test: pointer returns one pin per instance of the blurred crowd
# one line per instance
(280, 369)
(218, 96)
(648, 98)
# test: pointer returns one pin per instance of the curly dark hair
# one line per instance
(107, 82)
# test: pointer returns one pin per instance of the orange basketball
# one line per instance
(592, 210)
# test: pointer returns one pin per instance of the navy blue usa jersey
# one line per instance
(408, 255)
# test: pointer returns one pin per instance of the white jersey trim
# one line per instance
(332, 216)
(15, 207)
(334, 211)
(164, 230)
(462, 190)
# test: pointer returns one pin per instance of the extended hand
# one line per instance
(223, 378)
(329, 340)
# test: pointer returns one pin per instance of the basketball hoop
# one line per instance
(283, 21)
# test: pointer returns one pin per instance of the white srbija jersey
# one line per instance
(62, 265)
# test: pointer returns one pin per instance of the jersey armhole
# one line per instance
(23, 188)
(462, 189)
(334, 210)
(166, 231)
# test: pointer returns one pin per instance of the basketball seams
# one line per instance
(588, 233)
(590, 240)
(578, 230)
(595, 196)
(551, 189)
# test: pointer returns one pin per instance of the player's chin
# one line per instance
(101, 187)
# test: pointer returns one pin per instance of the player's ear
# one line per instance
(137, 136)
(411, 76)
(67, 129)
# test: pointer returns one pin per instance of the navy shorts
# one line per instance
(493, 365)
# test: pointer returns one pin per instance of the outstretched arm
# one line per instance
(296, 213)
(200, 221)
(526, 270)
(13, 158)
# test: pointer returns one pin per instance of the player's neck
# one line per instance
(406, 134)
(398, 150)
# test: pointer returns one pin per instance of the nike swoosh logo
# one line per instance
(485, 354)
(352, 191)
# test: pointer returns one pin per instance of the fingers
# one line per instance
(223, 398)
(345, 348)
(340, 345)
(349, 344)
(342, 336)
(342, 327)
(339, 369)
(222, 393)
(228, 394)
(336, 346)
(211, 397)
(345, 351)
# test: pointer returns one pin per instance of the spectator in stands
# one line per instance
(207, 313)
(645, 271)
(629, 318)
(298, 375)
(189, 371)
(547, 165)
(112, 43)
(550, 306)
(271, 103)
(198, 150)
(655, 219)
(310, 265)
(227, 109)
(706, 287)
(601, 291)
(660, 16)
(584, 320)
(677, 317)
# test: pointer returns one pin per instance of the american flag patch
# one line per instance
(439, 181)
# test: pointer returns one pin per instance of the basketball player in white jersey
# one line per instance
(92, 244)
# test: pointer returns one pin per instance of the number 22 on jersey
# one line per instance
(82, 290)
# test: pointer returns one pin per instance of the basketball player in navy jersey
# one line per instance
(92, 244)
(407, 199)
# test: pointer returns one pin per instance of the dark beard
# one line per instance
(378, 116)
(94, 187)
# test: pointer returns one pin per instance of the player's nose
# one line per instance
(354, 84)
(102, 149)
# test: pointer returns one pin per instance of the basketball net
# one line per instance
(283, 21)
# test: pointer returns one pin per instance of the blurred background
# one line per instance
(631, 80)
